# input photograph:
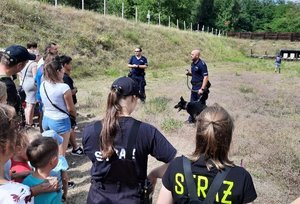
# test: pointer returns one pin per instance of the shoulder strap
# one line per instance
(216, 184)
(191, 186)
(55, 106)
(26, 72)
(132, 138)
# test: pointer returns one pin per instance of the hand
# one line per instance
(200, 92)
(153, 181)
(187, 72)
(51, 184)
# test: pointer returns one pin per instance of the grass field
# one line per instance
(265, 105)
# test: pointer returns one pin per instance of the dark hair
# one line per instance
(8, 130)
(213, 136)
(49, 46)
(51, 68)
(31, 45)
(64, 59)
(41, 151)
(139, 49)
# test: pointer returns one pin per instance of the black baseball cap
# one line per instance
(18, 53)
(126, 86)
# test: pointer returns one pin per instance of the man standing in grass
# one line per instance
(200, 83)
(138, 64)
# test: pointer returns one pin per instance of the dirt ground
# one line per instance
(266, 109)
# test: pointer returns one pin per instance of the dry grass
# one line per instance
(265, 105)
(267, 122)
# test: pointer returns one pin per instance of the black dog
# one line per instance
(193, 108)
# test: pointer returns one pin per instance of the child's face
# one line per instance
(21, 152)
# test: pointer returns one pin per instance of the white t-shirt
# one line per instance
(56, 94)
(15, 193)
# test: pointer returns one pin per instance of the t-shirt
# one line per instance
(19, 167)
(42, 198)
(56, 95)
(61, 166)
(38, 80)
(141, 61)
(68, 80)
(199, 70)
(149, 141)
(15, 193)
(13, 98)
(237, 188)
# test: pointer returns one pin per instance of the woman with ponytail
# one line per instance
(118, 147)
(210, 158)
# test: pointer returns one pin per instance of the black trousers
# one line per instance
(115, 193)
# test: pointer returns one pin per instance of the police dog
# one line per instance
(193, 108)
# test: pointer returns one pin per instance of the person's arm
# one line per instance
(165, 196)
(65, 179)
(47, 186)
(204, 83)
(156, 173)
(34, 70)
(69, 103)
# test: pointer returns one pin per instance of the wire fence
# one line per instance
(148, 18)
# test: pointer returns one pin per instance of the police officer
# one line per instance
(138, 63)
(118, 147)
(200, 83)
(213, 138)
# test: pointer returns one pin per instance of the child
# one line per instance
(60, 171)
(43, 156)
(19, 162)
(277, 63)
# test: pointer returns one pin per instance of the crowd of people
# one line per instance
(33, 164)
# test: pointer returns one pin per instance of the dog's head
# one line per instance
(181, 104)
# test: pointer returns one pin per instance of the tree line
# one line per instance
(227, 15)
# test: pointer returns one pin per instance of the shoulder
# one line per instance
(11, 190)
(91, 129)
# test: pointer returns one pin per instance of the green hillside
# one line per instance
(102, 44)
(98, 42)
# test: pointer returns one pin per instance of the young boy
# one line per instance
(43, 156)
(60, 171)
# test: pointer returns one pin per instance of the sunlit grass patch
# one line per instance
(156, 105)
(171, 124)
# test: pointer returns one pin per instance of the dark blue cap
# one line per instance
(18, 53)
(126, 86)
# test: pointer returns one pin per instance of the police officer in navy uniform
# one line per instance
(138, 63)
(211, 156)
(119, 172)
(200, 83)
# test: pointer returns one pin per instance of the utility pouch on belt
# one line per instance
(147, 193)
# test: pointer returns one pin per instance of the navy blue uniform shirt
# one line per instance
(68, 80)
(149, 141)
(141, 61)
(199, 70)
